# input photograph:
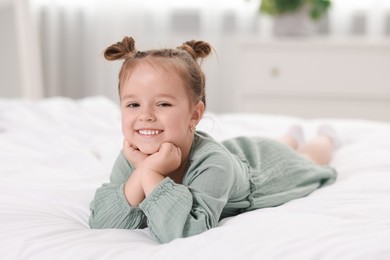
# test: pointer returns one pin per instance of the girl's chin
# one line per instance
(148, 150)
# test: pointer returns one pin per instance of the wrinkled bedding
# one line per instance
(56, 151)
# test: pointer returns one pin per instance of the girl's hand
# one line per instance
(165, 161)
(132, 154)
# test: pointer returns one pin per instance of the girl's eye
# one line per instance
(133, 105)
(164, 104)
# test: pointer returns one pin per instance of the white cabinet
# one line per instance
(314, 78)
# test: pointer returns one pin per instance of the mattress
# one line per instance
(56, 152)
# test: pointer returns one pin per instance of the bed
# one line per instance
(56, 152)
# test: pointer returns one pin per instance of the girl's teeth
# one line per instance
(149, 132)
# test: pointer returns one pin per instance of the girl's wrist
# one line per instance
(150, 179)
(133, 189)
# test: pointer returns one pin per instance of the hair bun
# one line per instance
(197, 49)
(121, 50)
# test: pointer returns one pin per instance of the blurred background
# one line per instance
(335, 65)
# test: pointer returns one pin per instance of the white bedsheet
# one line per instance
(55, 152)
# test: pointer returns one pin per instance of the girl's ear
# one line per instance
(197, 113)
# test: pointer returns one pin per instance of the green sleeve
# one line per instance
(109, 208)
(175, 210)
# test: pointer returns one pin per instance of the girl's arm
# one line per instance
(175, 211)
(158, 166)
(150, 170)
(116, 204)
(110, 208)
(133, 189)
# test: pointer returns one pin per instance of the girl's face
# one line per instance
(156, 107)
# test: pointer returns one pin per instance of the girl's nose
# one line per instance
(147, 116)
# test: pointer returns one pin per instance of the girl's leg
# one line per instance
(289, 141)
(293, 138)
(319, 149)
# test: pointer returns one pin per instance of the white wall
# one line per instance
(10, 67)
(20, 63)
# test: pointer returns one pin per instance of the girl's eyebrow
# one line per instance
(127, 96)
(165, 95)
(162, 95)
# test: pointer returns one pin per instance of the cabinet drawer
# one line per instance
(354, 70)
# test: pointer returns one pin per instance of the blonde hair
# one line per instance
(185, 60)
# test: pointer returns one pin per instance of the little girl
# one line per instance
(178, 181)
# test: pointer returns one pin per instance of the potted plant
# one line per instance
(295, 17)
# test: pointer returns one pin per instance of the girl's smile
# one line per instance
(149, 132)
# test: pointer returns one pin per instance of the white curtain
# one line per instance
(74, 33)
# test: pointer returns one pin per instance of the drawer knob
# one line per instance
(275, 72)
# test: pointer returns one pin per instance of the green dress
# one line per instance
(222, 180)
